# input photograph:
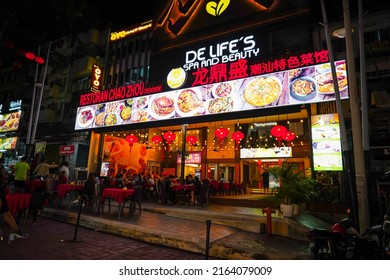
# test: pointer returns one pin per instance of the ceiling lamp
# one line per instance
(238, 136)
(131, 139)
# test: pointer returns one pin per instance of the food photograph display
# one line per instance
(295, 86)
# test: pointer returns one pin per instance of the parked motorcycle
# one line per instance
(344, 242)
(386, 235)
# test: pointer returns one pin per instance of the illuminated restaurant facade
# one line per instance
(213, 97)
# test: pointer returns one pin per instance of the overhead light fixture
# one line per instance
(340, 32)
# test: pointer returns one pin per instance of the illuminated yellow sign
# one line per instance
(118, 35)
(215, 9)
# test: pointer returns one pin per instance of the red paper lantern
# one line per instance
(156, 139)
(290, 136)
(169, 136)
(39, 60)
(238, 136)
(30, 56)
(278, 131)
(191, 139)
(131, 139)
(221, 132)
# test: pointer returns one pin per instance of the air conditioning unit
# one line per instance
(80, 173)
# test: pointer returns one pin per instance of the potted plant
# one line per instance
(294, 187)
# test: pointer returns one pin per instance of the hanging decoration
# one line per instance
(290, 136)
(191, 139)
(238, 136)
(221, 133)
(279, 131)
(169, 136)
(131, 139)
(156, 140)
(259, 162)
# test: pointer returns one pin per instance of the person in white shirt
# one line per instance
(65, 168)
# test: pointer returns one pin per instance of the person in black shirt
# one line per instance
(265, 176)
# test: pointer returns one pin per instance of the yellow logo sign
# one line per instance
(215, 9)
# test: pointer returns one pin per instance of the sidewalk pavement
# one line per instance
(234, 232)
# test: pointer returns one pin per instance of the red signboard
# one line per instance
(67, 150)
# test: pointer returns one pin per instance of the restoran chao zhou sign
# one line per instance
(310, 84)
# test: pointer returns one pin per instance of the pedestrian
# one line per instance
(21, 170)
(9, 219)
(265, 176)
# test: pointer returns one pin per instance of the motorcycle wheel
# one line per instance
(321, 252)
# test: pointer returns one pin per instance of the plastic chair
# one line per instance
(134, 201)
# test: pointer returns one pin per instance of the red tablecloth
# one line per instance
(226, 186)
(63, 189)
(179, 187)
(17, 201)
(215, 185)
(117, 194)
(35, 185)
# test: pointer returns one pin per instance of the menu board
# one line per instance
(8, 143)
(302, 85)
(9, 122)
(326, 143)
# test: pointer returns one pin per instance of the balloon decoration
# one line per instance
(131, 139)
(238, 136)
(191, 139)
(169, 136)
